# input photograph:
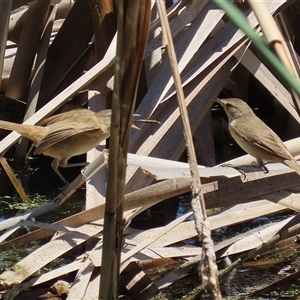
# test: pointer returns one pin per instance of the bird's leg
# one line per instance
(83, 164)
(261, 165)
(54, 166)
(30, 151)
(236, 167)
(257, 164)
(266, 170)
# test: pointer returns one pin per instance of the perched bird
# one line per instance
(254, 136)
(65, 135)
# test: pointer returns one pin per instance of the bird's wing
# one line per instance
(69, 116)
(59, 135)
(65, 125)
(266, 138)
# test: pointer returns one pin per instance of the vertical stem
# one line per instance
(208, 270)
(133, 25)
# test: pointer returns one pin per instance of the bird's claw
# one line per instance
(234, 167)
(261, 166)
(266, 170)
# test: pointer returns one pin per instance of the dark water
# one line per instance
(41, 185)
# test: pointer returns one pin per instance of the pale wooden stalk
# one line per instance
(272, 33)
(152, 239)
(275, 38)
(218, 195)
(172, 12)
(282, 24)
(45, 254)
(5, 7)
(18, 3)
(96, 187)
(248, 59)
(20, 74)
(39, 65)
(208, 267)
(236, 214)
(68, 54)
(13, 179)
(287, 228)
(104, 25)
(290, 229)
(78, 288)
(17, 19)
(104, 31)
(58, 272)
(187, 15)
(180, 232)
(37, 80)
(193, 38)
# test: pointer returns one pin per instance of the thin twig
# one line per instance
(209, 270)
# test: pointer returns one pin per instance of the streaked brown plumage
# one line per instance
(65, 135)
(254, 136)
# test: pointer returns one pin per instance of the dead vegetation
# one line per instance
(67, 50)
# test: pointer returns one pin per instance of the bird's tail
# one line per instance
(293, 165)
(34, 133)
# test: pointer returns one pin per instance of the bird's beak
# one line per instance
(135, 127)
(215, 99)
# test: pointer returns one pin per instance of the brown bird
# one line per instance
(254, 136)
(65, 135)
